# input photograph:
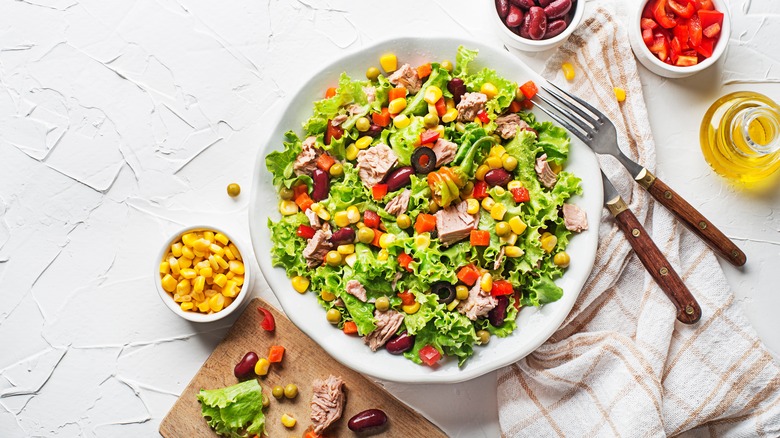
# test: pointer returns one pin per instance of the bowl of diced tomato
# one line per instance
(678, 38)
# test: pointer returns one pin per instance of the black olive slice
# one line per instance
(443, 290)
(424, 154)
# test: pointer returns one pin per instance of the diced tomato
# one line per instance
(480, 190)
(396, 93)
(662, 17)
(712, 30)
(685, 61)
(648, 23)
(350, 328)
(706, 47)
(483, 116)
(371, 219)
(407, 298)
(429, 136)
(683, 8)
(382, 119)
(304, 202)
(501, 287)
(514, 107)
(275, 354)
(441, 107)
(379, 191)
(529, 89)
(300, 189)
(305, 231)
(708, 18)
(330, 92)
(424, 71)
(332, 132)
(527, 104)
(325, 161)
(429, 355)
(424, 223)
(695, 31)
(268, 323)
(479, 238)
(468, 275)
(647, 37)
(520, 194)
(404, 259)
(377, 236)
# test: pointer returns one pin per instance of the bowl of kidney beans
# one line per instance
(536, 25)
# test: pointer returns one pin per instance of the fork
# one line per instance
(598, 132)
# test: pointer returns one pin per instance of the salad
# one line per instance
(424, 207)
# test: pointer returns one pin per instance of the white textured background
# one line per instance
(121, 121)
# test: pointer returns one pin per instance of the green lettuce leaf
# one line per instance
(449, 332)
(235, 411)
(540, 291)
(417, 105)
(280, 163)
(403, 141)
(463, 58)
(348, 190)
(287, 250)
(347, 93)
(506, 89)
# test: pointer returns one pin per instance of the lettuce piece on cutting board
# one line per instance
(235, 411)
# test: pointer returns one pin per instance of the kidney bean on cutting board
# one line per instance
(536, 19)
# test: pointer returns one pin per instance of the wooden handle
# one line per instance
(691, 217)
(688, 310)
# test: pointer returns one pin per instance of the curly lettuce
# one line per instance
(235, 411)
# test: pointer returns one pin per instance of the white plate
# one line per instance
(534, 325)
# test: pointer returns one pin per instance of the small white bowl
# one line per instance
(167, 298)
(514, 40)
(655, 65)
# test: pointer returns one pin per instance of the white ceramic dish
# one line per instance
(534, 325)
(514, 40)
(197, 316)
(655, 65)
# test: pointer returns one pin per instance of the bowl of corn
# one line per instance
(200, 274)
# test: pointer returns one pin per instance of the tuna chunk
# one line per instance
(399, 204)
(338, 120)
(506, 126)
(375, 163)
(478, 304)
(370, 93)
(318, 247)
(454, 223)
(387, 324)
(445, 151)
(406, 77)
(314, 221)
(306, 161)
(547, 177)
(327, 402)
(574, 218)
(470, 104)
(356, 289)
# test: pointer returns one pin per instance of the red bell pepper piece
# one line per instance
(305, 231)
(330, 92)
(382, 119)
(429, 136)
(468, 275)
(299, 190)
(529, 89)
(704, 5)
(304, 202)
(275, 354)
(325, 161)
(685, 11)
(648, 23)
(404, 260)
(268, 323)
(350, 328)
(377, 236)
(396, 93)
(379, 191)
(332, 132)
(407, 298)
(429, 355)
(483, 116)
(480, 190)
(515, 107)
(708, 18)
(441, 107)
(695, 31)
(662, 17)
(712, 30)
(520, 194)
(706, 47)
(371, 219)
(647, 12)
(424, 223)
(674, 50)
(681, 33)
(685, 61)
(424, 71)
(502, 287)
(527, 104)
(479, 238)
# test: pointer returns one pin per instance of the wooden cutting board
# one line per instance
(304, 361)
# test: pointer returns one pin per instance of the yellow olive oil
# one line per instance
(740, 138)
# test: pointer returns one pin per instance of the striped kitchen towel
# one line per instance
(620, 365)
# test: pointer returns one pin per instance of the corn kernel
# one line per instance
(568, 71)
(353, 214)
(432, 109)
(324, 215)
(401, 121)
(198, 296)
(230, 290)
(217, 302)
(177, 298)
(220, 280)
(386, 240)
(509, 239)
(203, 306)
(473, 206)
(201, 264)
(396, 105)
(165, 267)
(184, 287)
(411, 309)
(173, 262)
(261, 367)
(517, 224)
(198, 283)
(210, 292)
(486, 282)
(188, 273)
(513, 251)
(169, 283)
(389, 62)
(287, 420)
(488, 203)
(450, 115)
(216, 249)
(235, 251)
(497, 151)
(187, 306)
(620, 94)
(199, 253)
(440, 130)
(346, 249)
(488, 90)
(494, 162)
(221, 238)
(316, 207)
(364, 142)
(288, 208)
(189, 238)
(239, 279)
(236, 267)
(514, 185)
(176, 249)
(201, 245)
(187, 253)
(350, 259)
(562, 259)
(206, 272)
(498, 211)
(382, 255)
(351, 152)
(229, 253)
(548, 242)
(451, 306)
(327, 296)
(300, 284)
(460, 127)
(432, 94)
(449, 102)
(341, 218)
(481, 171)
(230, 275)
(221, 262)
(213, 263)
(184, 262)
(422, 241)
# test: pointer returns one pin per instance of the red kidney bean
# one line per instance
(367, 419)
(246, 366)
(374, 131)
(523, 29)
(515, 17)
(544, 3)
(321, 185)
(457, 87)
(497, 315)
(344, 236)
(399, 178)
(498, 177)
(554, 28)
(400, 344)
(525, 4)
(557, 9)
(502, 6)
(537, 23)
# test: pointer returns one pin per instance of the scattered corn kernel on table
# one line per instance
(123, 123)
